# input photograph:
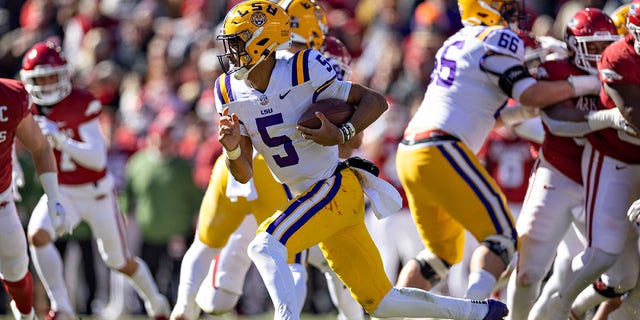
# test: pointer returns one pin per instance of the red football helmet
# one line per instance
(633, 23)
(45, 59)
(585, 33)
(338, 55)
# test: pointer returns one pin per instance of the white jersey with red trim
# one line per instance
(463, 98)
(269, 118)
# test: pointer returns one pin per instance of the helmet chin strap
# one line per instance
(243, 73)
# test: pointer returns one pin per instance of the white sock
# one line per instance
(193, 270)
(48, 264)
(586, 300)
(416, 303)
(594, 263)
(481, 284)
(270, 258)
(147, 289)
(348, 307)
(520, 297)
(299, 273)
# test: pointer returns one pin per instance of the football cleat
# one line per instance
(497, 310)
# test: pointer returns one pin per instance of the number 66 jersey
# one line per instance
(464, 95)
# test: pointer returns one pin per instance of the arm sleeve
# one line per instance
(90, 153)
(498, 64)
(531, 130)
(566, 128)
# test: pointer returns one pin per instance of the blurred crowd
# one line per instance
(152, 64)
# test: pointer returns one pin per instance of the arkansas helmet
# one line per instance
(619, 17)
(633, 23)
(308, 22)
(339, 56)
(587, 33)
(45, 73)
(488, 12)
(251, 32)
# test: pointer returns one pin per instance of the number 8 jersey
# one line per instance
(465, 94)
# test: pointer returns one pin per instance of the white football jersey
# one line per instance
(269, 118)
(463, 99)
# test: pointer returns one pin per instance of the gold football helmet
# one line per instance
(619, 17)
(251, 32)
(308, 22)
(488, 12)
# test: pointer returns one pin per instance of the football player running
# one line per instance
(226, 200)
(16, 121)
(477, 70)
(261, 98)
(610, 169)
(555, 189)
(68, 117)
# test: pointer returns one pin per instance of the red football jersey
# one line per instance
(562, 152)
(509, 159)
(78, 108)
(14, 106)
(620, 64)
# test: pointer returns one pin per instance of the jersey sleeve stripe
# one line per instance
(486, 32)
(227, 86)
(323, 87)
(304, 208)
(300, 68)
(221, 90)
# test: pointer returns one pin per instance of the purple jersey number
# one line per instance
(443, 63)
(291, 156)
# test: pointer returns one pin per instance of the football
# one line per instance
(336, 110)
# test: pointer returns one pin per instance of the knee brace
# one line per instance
(501, 246)
(432, 268)
(605, 290)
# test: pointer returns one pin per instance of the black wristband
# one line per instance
(512, 75)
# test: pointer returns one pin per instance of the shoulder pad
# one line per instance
(223, 88)
(502, 40)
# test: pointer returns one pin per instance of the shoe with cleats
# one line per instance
(497, 310)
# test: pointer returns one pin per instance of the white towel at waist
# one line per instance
(236, 189)
(385, 198)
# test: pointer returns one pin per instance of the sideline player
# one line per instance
(16, 121)
(261, 98)
(68, 117)
(477, 70)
